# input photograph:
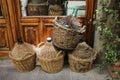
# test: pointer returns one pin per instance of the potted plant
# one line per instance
(106, 25)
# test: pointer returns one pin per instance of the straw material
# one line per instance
(83, 51)
(23, 57)
(67, 33)
(48, 51)
(25, 65)
(38, 9)
(55, 10)
(82, 61)
(50, 59)
(52, 65)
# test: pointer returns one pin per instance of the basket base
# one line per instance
(77, 70)
(26, 70)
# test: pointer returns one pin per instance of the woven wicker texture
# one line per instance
(55, 10)
(23, 56)
(67, 33)
(25, 65)
(83, 51)
(37, 1)
(37, 9)
(50, 59)
(21, 51)
(81, 59)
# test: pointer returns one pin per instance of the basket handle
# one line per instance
(55, 19)
(71, 19)
(40, 44)
(83, 29)
(59, 53)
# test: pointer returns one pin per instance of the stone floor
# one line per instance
(9, 72)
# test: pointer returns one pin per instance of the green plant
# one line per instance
(106, 26)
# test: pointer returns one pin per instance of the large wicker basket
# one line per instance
(51, 65)
(26, 64)
(65, 38)
(81, 64)
(23, 56)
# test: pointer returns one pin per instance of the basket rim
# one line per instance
(52, 59)
(60, 26)
(80, 59)
(34, 54)
(54, 43)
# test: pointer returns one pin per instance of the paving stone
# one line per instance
(62, 75)
(9, 72)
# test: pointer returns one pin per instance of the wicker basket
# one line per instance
(55, 10)
(24, 65)
(23, 56)
(51, 65)
(65, 38)
(78, 64)
(37, 9)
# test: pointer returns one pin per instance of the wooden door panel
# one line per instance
(3, 37)
(47, 26)
(47, 31)
(30, 34)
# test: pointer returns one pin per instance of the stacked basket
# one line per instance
(67, 33)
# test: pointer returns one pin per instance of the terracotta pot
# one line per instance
(113, 72)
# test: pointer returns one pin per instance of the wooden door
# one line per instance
(6, 40)
(35, 29)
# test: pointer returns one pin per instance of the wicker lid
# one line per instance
(48, 51)
(83, 51)
(21, 51)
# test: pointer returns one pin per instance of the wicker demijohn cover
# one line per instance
(50, 59)
(81, 58)
(67, 32)
(23, 57)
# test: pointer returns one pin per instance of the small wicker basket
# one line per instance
(23, 59)
(52, 64)
(55, 10)
(78, 64)
(37, 9)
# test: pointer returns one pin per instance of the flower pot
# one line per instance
(113, 71)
